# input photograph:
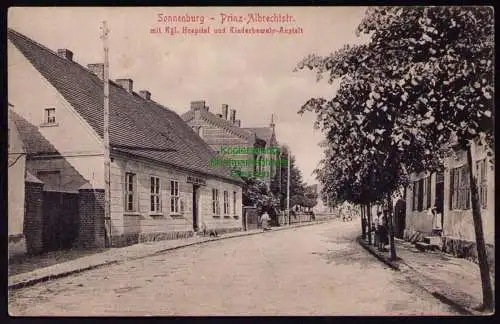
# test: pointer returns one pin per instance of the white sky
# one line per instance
(252, 73)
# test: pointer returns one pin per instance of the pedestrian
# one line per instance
(384, 237)
(264, 220)
(376, 222)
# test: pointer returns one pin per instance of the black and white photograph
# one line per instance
(250, 161)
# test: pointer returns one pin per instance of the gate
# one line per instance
(60, 220)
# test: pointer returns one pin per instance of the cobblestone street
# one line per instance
(314, 270)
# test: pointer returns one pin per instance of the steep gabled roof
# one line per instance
(139, 127)
(220, 122)
(264, 133)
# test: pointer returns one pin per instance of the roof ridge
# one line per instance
(26, 38)
(226, 125)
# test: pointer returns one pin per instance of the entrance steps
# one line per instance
(430, 243)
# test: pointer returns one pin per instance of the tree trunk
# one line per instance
(369, 213)
(391, 227)
(363, 225)
(484, 268)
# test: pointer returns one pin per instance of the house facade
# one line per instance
(450, 192)
(224, 134)
(161, 185)
(15, 182)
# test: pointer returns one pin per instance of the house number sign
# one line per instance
(195, 180)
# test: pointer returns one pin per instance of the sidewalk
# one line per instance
(116, 255)
(452, 280)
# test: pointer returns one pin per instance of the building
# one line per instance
(450, 192)
(16, 179)
(161, 185)
(223, 131)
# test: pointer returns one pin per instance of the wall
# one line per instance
(24, 79)
(144, 225)
(15, 180)
(419, 221)
(33, 219)
(459, 223)
(70, 179)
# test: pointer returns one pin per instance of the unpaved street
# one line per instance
(313, 270)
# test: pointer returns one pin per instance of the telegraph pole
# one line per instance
(288, 191)
(107, 158)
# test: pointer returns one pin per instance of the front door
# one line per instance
(195, 207)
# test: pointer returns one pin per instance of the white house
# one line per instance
(16, 177)
(161, 183)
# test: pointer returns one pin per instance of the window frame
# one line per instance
(215, 202)
(130, 195)
(50, 119)
(234, 203)
(174, 197)
(155, 205)
(226, 202)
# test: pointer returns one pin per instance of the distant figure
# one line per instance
(264, 220)
(436, 221)
(376, 222)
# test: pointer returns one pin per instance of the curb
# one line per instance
(33, 281)
(436, 294)
(440, 296)
(392, 264)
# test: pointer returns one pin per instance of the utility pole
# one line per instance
(288, 190)
(107, 157)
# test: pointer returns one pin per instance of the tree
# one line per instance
(297, 186)
(420, 88)
(256, 193)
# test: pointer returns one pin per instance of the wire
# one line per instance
(17, 159)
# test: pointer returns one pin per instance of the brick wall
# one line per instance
(33, 217)
(91, 211)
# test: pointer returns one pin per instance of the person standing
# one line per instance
(264, 220)
(376, 223)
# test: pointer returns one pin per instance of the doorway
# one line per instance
(195, 206)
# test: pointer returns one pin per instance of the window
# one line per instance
(420, 194)
(234, 203)
(174, 196)
(421, 198)
(482, 184)
(460, 189)
(155, 195)
(50, 115)
(426, 195)
(198, 130)
(415, 195)
(215, 201)
(226, 202)
(130, 192)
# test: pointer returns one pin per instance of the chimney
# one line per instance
(197, 105)
(97, 69)
(127, 84)
(233, 116)
(65, 53)
(238, 123)
(145, 94)
(225, 109)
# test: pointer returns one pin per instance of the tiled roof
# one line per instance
(137, 126)
(222, 123)
(264, 133)
(34, 142)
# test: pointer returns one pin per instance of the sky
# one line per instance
(252, 73)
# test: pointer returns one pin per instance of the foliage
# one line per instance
(297, 186)
(423, 83)
(257, 193)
